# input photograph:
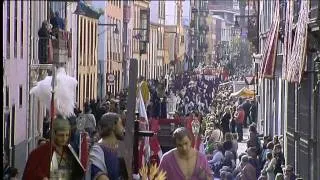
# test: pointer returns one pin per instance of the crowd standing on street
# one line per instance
(222, 120)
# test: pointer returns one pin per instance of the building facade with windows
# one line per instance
(157, 20)
(15, 76)
(114, 43)
(140, 38)
(174, 36)
(87, 55)
(291, 108)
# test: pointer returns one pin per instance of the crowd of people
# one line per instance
(263, 159)
(222, 120)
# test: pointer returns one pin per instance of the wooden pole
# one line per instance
(126, 148)
(52, 112)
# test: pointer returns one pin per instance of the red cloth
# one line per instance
(141, 153)
(84, 157)
(154, 142)
(38, 164)
(240, 116)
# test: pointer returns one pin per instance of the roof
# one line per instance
(86, 10)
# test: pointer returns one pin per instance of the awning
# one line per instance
(244, 92)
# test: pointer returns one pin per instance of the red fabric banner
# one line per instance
(270, 48)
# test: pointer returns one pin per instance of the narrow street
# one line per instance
(122, 88)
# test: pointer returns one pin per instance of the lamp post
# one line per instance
(142, 42)
(115, 31)
(317, 68)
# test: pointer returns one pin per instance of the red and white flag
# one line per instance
(145, 145)
(296, 63)
(287, 39)
(270, 48)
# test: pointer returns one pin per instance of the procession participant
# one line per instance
(104, 160)
(145, 92)
(60, 162)
(184, 162)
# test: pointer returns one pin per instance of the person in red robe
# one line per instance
(60, 162)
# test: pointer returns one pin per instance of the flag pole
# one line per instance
(52, 112)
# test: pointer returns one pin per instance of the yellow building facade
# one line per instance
(87, 59)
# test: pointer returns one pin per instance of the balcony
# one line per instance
(194, 10)
(56, 49)
(204, 47)
(61, 47)
(51, 51)
(126, 13)
(38, 72)
(192, 24)
(315, 11)
(204, 29)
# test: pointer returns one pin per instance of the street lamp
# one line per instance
(317, 67)
(116, 30)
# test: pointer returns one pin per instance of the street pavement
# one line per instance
(242, 146)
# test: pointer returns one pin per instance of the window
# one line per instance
(21, 30)
(80, 37)
(88, 87)
(15, 27)
(20, 96)
(182, 39)
(7, 96)
(85, 38)
(158, 37)
(13, 111)
(84, 88)
(91, 39)
(8, 29)
(58, 6)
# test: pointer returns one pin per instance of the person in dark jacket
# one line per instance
(57, 21)
(225, 120)
(44, 36)
(246, 107)
(280, 161)
(253, 112)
